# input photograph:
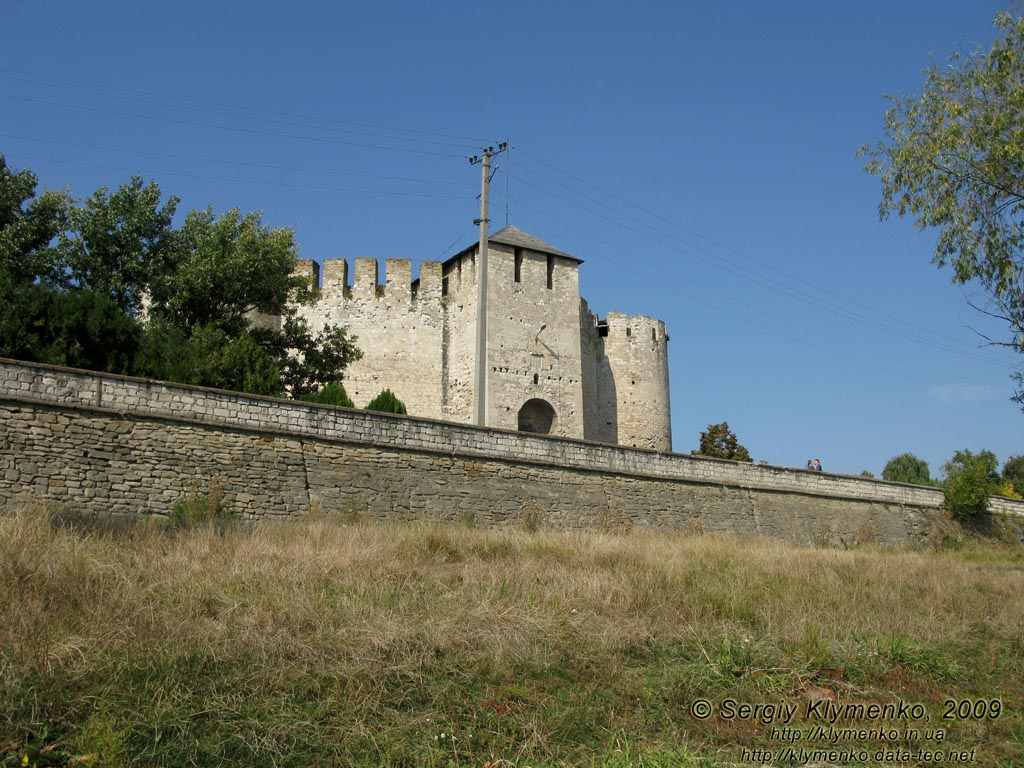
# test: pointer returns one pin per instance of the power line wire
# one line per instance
(772, 284)
(253, 131)
(224, 161)
(745, 320)
(718, 244)
(275, 183)
(234, 106)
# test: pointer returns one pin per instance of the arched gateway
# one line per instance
(536, 415)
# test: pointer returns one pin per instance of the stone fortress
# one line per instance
(553, 367)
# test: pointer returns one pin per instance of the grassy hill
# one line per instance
(331, 643)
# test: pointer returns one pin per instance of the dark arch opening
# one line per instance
(536, 415)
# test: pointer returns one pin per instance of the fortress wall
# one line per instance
(633, 384)
(398, 332)
(595, 422)
(107, 445)
(460, 337)
(524, 361)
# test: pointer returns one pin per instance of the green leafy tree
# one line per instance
(953, 158)
(206, 356)
(1013, 472)
(386, 402)
(81, 329)
(307, 361)
(971, 479)
(209, 288)
(223, 269)
(907, 468)
(113, 242)
(720, 442)
(226, 272)
(332, 394)
(28, 225)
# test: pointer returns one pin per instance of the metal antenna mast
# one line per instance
(480, 369)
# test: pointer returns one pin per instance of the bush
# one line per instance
(80, 329)
(386, 402)
(907, 468)
(720, 442)
(970, 480)
(333, 394)
(1013, 472)
(197, 509)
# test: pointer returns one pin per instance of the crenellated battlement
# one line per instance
(552, 366)
(398, 286)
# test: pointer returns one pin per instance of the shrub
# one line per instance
(532, 517)
(907, 468)
(333, 394)
(1013, 472)
(970, 481)
(386, 402)
(195, 508)
(720, 442)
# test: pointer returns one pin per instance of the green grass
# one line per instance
(324, 643)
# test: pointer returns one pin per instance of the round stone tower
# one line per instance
(634, 385)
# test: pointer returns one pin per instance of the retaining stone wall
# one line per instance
(108, 445)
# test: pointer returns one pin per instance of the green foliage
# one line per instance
(953, 158)
(73, 278)
(224, 268)
(101, 737)
(1013, 472)
(114, 242)
(332, 394)
(720, 442)
(81, 329)
(868, 474)
(386, 402)
(196, 508)
(907, 468)
(307, 361)
(207, 357)
(28, 224)
(971, 479)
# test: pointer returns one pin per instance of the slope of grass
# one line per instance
(319, 643)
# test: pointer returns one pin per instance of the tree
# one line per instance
(953, 158)
(222, 273)
(81, 329)
(386, 402)
(907, 468)
(206, 356)
(224, 268)
(971, 479)
(1013, 472)
(333, 394)
(307, 362)
(73, 277)
(113, 242)
(720, 442)
(28, 224)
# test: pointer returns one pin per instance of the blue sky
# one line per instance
(700, 157)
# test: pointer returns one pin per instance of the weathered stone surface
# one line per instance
(603, 381)
(107, 445)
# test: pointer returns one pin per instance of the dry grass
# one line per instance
(319, 643)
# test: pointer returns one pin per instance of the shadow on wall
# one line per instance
(608, 404)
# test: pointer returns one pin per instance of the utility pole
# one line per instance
(480, 369)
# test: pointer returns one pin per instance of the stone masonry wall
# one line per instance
(399, 331)
(107, 445)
